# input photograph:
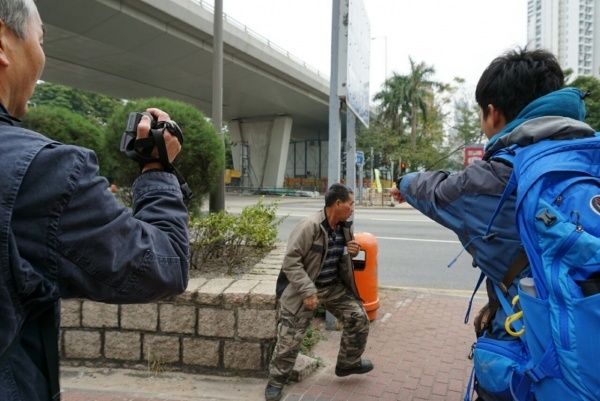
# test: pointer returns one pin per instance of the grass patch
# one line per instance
(311, 339)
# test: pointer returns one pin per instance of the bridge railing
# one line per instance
(256, 35)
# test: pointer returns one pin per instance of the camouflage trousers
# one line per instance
(292, 328)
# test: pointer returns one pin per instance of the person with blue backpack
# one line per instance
(536, 140)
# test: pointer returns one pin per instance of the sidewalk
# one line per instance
(418, 343)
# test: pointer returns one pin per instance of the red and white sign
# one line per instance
(473, 153)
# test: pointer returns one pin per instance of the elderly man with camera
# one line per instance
(62, 234)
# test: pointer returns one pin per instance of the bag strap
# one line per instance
(479, 281)
(519, 264)
(507, 308)
(510, 276)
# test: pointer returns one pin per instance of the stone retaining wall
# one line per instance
(218, 326)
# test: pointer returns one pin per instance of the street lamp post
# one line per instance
(386, 52)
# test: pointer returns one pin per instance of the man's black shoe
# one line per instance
(364, 366)
(272, 393)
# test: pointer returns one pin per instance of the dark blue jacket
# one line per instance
(63, 235)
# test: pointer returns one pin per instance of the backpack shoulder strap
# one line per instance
(507, 155)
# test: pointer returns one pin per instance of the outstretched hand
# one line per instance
(397, 195)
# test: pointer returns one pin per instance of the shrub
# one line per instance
(68, 127)
(232, 238)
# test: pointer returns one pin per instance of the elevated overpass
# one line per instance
(146, 48)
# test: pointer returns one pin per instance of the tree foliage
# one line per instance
(592, 102)
(410, 123)
(420, 96)
(69, 127)
(91, 105)
(200, 161)
(393, 103)
(466, 130)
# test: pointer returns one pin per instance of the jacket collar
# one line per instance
(7, 119)
(567, 103)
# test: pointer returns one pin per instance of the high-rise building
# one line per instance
(566, 28)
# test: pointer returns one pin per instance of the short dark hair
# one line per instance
(516, 78)
(337, 191)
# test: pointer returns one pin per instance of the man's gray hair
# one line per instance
(16, 14)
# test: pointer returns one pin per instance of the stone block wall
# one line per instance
(218, 326)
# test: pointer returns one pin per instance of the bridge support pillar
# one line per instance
(260, 149)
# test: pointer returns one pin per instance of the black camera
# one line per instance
(128, 141)
(140, 150)
(134, 119)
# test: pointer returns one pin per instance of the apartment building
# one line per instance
(566, 27)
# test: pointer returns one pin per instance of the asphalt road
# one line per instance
(413, 251)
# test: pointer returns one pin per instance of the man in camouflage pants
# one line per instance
(317, 268)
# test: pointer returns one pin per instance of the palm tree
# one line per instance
(420, 94)
(394, 102)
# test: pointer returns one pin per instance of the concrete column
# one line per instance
(278, 152)
(268, 143)
(235, 135)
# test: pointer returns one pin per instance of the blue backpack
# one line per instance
(557, 354)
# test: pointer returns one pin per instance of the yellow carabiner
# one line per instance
(512, 318)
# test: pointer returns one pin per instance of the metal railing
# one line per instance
(208, 7)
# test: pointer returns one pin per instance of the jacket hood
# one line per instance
(559, 112)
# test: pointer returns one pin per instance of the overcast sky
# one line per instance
(456, 37)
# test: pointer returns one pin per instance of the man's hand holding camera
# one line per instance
(172, 144)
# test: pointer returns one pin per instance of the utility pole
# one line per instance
(217, 197)
(335, 122)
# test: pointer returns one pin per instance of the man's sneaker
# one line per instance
(363, 366)
(272, 393)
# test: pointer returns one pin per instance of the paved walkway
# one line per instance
(418, 343)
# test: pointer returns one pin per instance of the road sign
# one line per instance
(473, 153)
(360, 158)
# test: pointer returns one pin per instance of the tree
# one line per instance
(408, 99)
(592, 102)
(92, 105)
(394, 102)
(66, 126)
(465, 131)
(202, 157)
(420, 95)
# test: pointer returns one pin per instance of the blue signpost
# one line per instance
(360, 158)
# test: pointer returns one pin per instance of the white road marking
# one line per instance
(405, 220)
(419, 240)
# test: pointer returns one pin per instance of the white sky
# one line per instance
(456, 37)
